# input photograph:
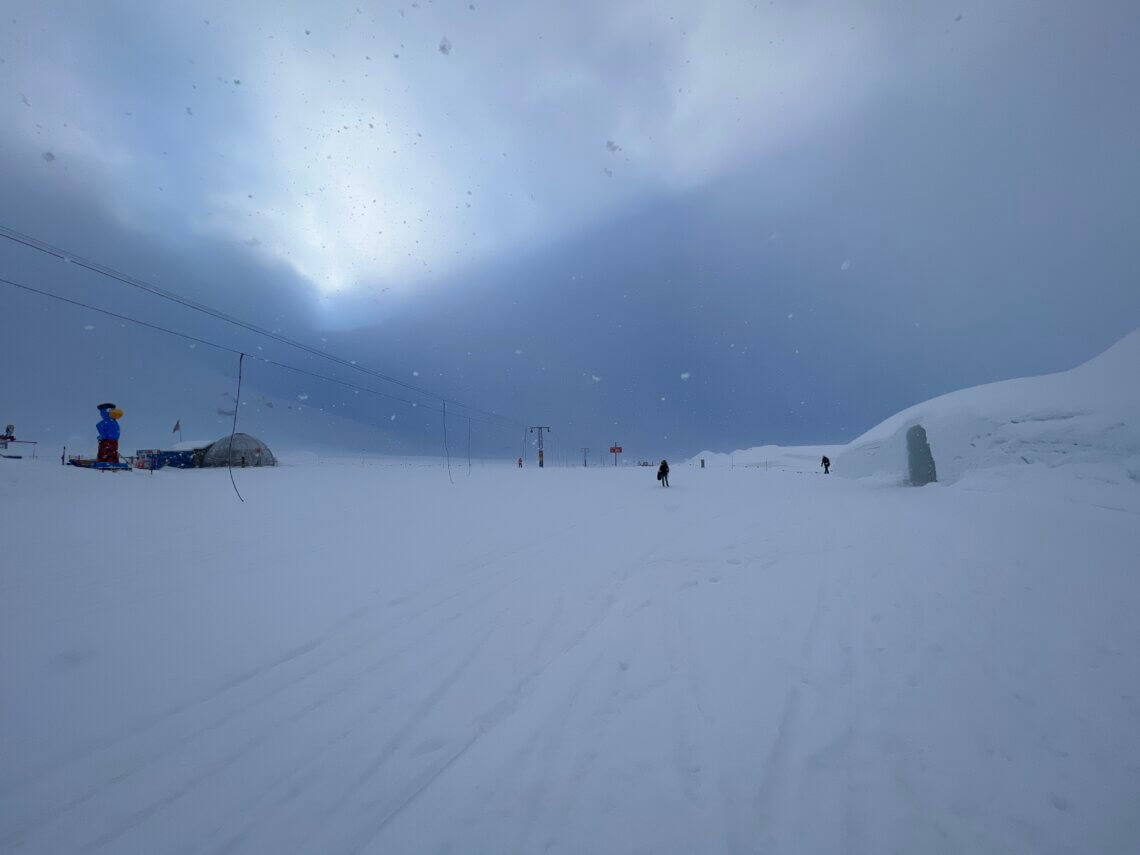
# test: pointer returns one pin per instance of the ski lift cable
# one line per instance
(135, 282)
(235, 351)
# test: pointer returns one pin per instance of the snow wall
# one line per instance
(1090, 414)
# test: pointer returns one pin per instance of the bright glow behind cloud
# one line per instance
(348, 145)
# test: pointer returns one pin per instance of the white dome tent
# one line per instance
(245, 450)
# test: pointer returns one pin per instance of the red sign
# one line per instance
(615, 449)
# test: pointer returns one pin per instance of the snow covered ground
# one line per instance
(797, 458)
(365, 658)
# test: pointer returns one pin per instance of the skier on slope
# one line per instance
(826, 464)
(663, 473)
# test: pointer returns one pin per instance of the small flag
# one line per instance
(177, 426)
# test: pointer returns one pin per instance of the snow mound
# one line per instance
(1088, 415)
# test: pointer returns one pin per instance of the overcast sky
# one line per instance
(675, 225)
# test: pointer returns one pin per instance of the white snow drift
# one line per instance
(1089, 415)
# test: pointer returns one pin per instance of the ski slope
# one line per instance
(364, 658)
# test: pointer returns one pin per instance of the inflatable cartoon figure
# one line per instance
(108, 427)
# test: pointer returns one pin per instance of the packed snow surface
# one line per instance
(365, 658)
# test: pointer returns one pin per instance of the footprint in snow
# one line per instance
(427, 746)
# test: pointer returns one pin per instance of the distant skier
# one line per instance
(663, 473)
(520, 463)
(826, 464)
(108, 428)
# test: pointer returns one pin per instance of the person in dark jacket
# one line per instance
(826, 464)
(663, 473)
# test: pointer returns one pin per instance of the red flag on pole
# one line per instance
(177, 426)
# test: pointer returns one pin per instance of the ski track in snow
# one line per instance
(568, 661)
